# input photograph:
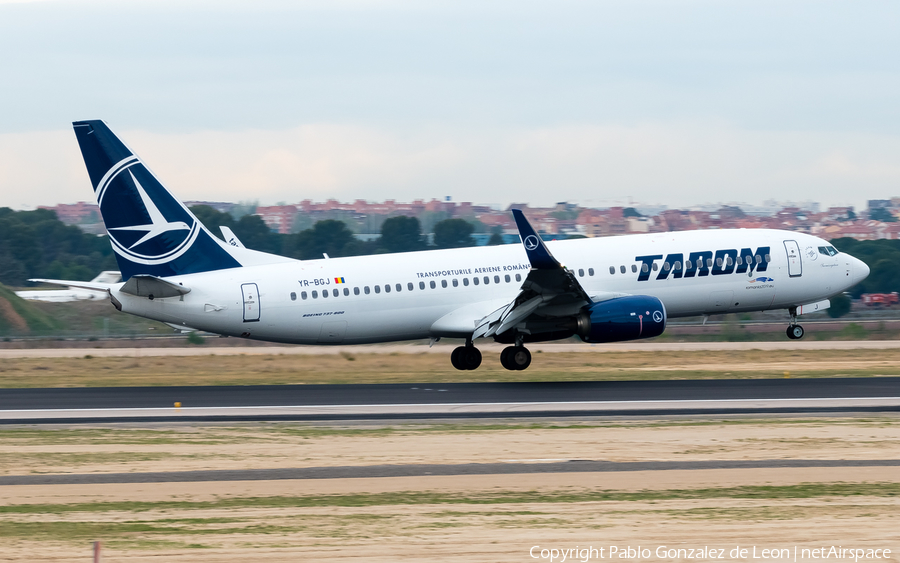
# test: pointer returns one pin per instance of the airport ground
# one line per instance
(495, 517)
(418, 364)
(847, 494)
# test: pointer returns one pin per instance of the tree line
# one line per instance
(35, 244)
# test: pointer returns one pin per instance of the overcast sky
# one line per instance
(601, 103)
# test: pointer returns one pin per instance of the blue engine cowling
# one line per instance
(622, 318)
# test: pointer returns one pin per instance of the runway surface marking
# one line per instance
(424, 470)
(401, 409)
(637, 346)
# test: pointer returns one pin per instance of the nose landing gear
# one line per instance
(794, 331)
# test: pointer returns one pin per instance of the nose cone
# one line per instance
(858, 270)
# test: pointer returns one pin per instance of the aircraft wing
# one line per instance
(549, 289)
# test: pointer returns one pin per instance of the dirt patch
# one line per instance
(12, 317)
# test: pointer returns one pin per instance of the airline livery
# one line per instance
(601, 290)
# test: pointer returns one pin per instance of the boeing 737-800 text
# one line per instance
(600, 289)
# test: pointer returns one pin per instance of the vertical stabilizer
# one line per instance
(151, 231)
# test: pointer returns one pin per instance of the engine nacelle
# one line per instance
(622, 318)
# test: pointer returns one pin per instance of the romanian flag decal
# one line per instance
(339, 280)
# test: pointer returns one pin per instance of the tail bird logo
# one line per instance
(145, 223)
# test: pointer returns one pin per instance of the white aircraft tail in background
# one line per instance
(73, 292)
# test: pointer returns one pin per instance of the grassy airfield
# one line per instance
(447, 518)
(89, 371)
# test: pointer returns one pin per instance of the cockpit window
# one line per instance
(828, 250)
(832, 251)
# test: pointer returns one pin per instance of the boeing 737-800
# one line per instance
(600, 289)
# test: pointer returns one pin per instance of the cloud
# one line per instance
(670, 163)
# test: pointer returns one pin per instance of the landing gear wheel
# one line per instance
(504, 358)
(456, 358)
(795, 332)
(515, 358)
(471, 357)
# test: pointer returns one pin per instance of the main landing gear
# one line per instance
(794, 331)
(513, 358)
(466, 357)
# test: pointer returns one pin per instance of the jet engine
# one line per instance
(622, 318)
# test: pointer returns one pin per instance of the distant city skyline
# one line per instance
(661, 102)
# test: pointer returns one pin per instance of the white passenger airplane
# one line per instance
(73, 293)
(600, 289)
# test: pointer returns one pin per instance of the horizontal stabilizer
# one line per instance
(152, 287)
(93, 286)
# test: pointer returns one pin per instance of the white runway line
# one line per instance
(454, 408)
(637, 346)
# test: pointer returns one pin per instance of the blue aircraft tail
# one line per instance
(151, 232)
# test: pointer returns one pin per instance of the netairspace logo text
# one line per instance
(663, 552)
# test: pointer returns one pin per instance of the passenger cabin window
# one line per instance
(410, 286)
(432, 284)
(293, 296)
(302, 295)
(387, 288)
(677, 265)
(768, 258)
(506, 277)
(666, 267)
(335, 292)
(324, 293)
(366, 290)
(580, 272)
(455, 283)
(645, 268)
(466, 282)
(398, 287)
(612, 269)
(315, 294)
(444, 283)
(487, 280)
(740, 261)
(355, 291)
(496, 279)
(421, 285)
(655, 266)
(377, 289)
(346, 291)
(518, 278)
(475, 280)
(591, 270)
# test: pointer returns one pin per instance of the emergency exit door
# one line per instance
(795, 267)
(251, 302)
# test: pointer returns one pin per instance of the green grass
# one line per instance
(801, 491)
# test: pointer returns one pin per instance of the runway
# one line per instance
(462, 400)
(422, 470)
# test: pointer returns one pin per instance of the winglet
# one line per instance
(230, 237)
(538, 253)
